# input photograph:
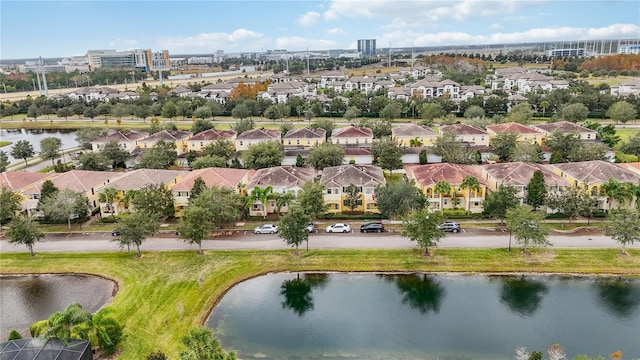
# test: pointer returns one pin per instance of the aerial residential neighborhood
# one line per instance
(320, 180)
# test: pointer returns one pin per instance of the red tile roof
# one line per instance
(512, 127)
(520, 173)
(213, 134)
(431, 174)
(463, 129)
(221, 177)
(17, 180)
(352, 131)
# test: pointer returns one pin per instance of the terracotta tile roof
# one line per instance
(260, 133)
(356, 151)
(18, 180)
(564, 127)
(285, 176)
(345, 175)
(221, 177)
(590, 172)
(213, 134)
(520, 173)
(635, 166)
(352, 131)
(431, 174)
(412, 130)
(120, 136)
(168, 135)
(512, 127)
(82, 180)
(137, 179)
(463, 129)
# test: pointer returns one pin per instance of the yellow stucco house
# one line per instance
(365, 178)
(304, 138)
(525, 133)
(201, 140)
(408, 135)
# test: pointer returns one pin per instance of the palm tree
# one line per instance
(415, 142)
(617, 191)
(284, 200)
(442, 188)
(72, 323)
(262, 195)
(109, 195)
(471, 184)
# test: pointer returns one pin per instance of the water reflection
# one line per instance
(421, 292)
(297, 292)
(621, 297)
(522, 295)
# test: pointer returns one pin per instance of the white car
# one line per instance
(266, 229)
(339, 227)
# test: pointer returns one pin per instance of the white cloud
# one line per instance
(309, 19)
(123, 43)
(494, 26)
(334, 31)
(211, 40)
(300, 43)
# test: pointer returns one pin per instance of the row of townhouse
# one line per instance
(356, 141)
(590, 175)
(522, 81)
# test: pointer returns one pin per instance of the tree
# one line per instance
(353, 198)
(104, 109)
(87, 135)
(470, 183)
(135, 228)
(299, 161)
(422, 157)
(50, 148)
(325, 124)
(589, 152)
(116, 155)
(64, 112)
(222, 148)
(273, 113)
(109, 196)
(325, 155)
(241, 111)
(208, 161)
(521, 113)
(351, 113)
(292, 227)
(311, 198)
(569, 201)
(4, 161)
(195, 225)
(622, 111)
(264, 155)
(526, 226)
(10, 204)
(202, 113)
(623, 227)
(474, 112)
(24, 230)
(431, 111)
(154, 200)
(574, 112)
(451, 149)
(65, 205)
(201, 124)
(497, 203)
(223, 204)
(398, 198)
(169, 110)
(536, 190)
(284, 200)
(163, 155)
(22, 149)
(201, 344)
(387, 154)
(422, 226)
(526, 152)
(503, 145)
(242, 125)
(563, 145)
(90, 112)
(198, 187)
(618, 192)
(33, 111)
(142, 111)
(93, 161)
(47, 190)
(262, 195)
(632, 145)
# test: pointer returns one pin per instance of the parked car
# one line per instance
(450, 226)
(115, 232)
(338, 227)
(311, 227)
(266, 229)
(372, 227)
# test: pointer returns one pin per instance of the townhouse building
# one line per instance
(256, 136)
(412, 135)
(203, 139)
(304, 138)
(470, 134)
(338, 179)
(179, 138)
(352, 136)
(282, 180)
(525, 133)
(128, 140)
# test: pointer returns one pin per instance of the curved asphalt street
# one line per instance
(472, 238)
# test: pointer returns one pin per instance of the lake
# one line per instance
(25, 299)
(67, 136)
(423, 316)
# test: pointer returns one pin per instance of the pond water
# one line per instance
(67, 136)
(25, 299)
(424, 316)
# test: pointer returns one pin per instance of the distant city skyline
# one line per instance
(69, 28)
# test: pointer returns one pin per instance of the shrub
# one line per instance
(14, 335)
(158, 355)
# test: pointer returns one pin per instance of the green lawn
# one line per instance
(154, 287)
(626, 133)
(5, 143)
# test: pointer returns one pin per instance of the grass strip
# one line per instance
(163, 294)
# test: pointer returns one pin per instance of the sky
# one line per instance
(53, 28)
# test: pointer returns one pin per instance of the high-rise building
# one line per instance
(143, 59)
(367, 46)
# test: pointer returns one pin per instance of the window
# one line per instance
(358, 202)
(288, 142)
(240, 142)
(476, 203)
(369, 191)
(201, 144)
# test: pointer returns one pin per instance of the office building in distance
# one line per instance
(367, 47)
(143, 59)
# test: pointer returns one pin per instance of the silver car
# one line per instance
(338, 228)
(266, 229)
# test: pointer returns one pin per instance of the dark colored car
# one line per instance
(372, 227)
(115, 232)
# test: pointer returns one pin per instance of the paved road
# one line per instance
(469, 239)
